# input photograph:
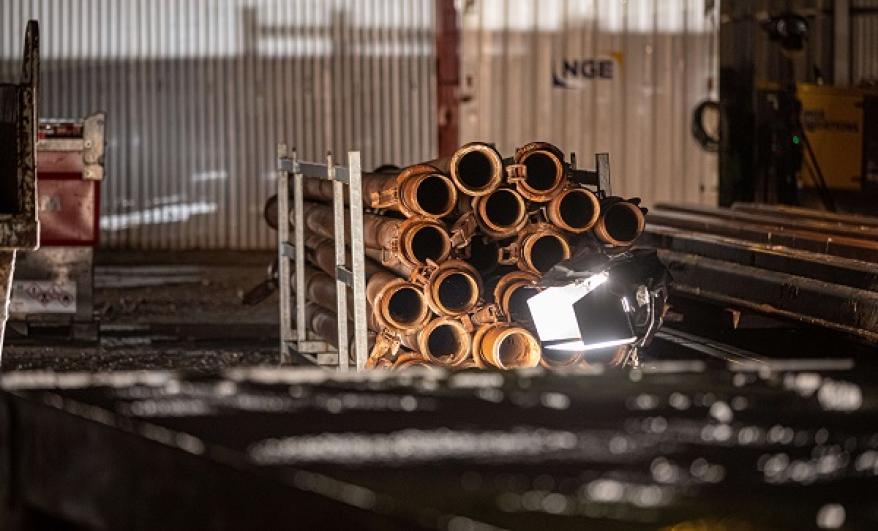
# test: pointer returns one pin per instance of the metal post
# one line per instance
(841, 49)
(299, 242)
(602, 163)
(340, 266)
(358, 258)
(283, 256)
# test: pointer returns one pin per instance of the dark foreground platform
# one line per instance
(784, 445)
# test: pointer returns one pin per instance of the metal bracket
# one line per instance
(422, 275)
(516, 173)
(343, 274)
(386, 342)
(509, 254)
(287, 249)
(385, 198)
(463, 230)
(599, 177)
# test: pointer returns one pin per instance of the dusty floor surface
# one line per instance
(166, 310)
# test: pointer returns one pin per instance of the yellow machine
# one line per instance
(840, 124)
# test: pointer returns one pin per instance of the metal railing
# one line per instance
(295, 342)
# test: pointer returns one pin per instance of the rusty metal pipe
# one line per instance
(500, 213)
(394, 302)
(445, 341)
(419, 190)
(540, 246)
(407, 360)
(560, 359)
(574, 210)
(620, 223)
(475, 168)
(453, 287)
(544, 171)
(511, 294)
(413, 241)
(505, 346)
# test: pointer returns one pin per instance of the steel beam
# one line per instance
(806, 300)
(768, 234)
(843, 271)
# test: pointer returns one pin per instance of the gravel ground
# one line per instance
(166, 311)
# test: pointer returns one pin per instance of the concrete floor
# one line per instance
(168, 311)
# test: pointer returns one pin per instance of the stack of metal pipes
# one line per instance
(455, 248)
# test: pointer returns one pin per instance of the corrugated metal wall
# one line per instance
(864, 41)
(662, 54)
(198, 92)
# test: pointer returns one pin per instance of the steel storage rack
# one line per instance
(295, 342)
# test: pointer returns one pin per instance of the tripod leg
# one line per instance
(817, 173)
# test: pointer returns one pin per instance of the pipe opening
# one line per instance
(546, 251)
(428, 242)
(475, 171)
(484, 254)
(445, 343)
(577, 209)
(457, 292)
(518, 308)
(622, 223)
(433, 195)
(503, 208)
(513, 350)
(406, 306)
(542, 171)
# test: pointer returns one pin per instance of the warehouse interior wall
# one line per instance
(199, 92)
(596, 76)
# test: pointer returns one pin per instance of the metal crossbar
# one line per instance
(296, 340)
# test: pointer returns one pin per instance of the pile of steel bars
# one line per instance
(795, 264)
(455, 248)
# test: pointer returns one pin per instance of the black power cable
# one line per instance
(707, 141)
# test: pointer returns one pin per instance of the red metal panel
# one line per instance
(448, 76)
(60, 162)
(69, 210)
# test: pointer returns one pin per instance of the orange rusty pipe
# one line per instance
(475, 168)
(574, 210)
(542, 246)
(505, 346)
(409, 359)
(444, 341)
(500, 213)
(620, 223)
(559, 359)
(414, 240)
(511, 294)
(394, 302)
(453, 288)
(545, 174)
(418, 190)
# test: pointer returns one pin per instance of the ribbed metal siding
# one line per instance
(198, 92)
(641, 117)
(864, 42)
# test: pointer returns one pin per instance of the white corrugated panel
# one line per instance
(199, 92)
(661, 54)
(864, 42)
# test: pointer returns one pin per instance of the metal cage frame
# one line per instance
(295, 343)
